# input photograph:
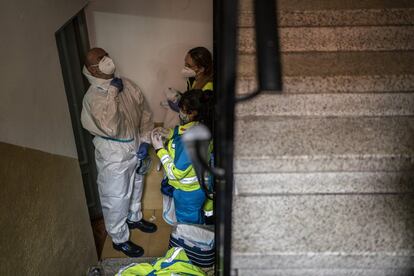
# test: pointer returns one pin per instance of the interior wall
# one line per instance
(45, 225)
(33, 107)
(149, 39)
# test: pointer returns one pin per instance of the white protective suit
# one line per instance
(120, 122)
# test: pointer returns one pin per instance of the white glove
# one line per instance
(171, 94)
(165, 104)
(156, 140)
(164, 132)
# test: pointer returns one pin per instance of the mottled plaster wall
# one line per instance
(45, 227)
(33, 107)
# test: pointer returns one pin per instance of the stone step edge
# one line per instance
(288, 5)
(343, 63)
(327, 105)
(335, 18)
(328, 163)
(325, 156)
(323, 183)
(326, 272)
(302, 260)
(334, 39)
(335, 84)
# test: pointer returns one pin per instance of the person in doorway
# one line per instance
(115, 112)
(198, 71)
(182, 182)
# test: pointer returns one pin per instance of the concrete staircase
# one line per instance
(324, 173)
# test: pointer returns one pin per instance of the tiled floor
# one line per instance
(154, 244)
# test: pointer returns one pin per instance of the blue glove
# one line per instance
(173, 105)
(167, 189)
(117, 82)
(142, 152)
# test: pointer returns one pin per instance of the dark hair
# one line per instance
(199, 101)
(202, 58)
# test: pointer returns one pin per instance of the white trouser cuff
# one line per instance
(137, 216)
(121, 236)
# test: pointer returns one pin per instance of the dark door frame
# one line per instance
(73, 43)
(225, 54)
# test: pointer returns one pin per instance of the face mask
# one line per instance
(106, 65)
(188, 72)
(183, 117)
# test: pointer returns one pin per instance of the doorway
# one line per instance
(73, 43)
(152, 58)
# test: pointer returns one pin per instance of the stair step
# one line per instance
(333, 64)
(311, 5)
(335, 13)
(323, 231)
(265, 144)
(374, 104)
(338, 18)
(327, 272)
(331, 39)
(336, 72)
(253, 184)
(336, 84)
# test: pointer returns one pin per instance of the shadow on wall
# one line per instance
(162, 9)
(149, 39)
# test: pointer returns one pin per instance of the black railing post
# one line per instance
(225, 51)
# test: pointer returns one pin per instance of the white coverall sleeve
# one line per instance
(146, 124)
(106, 115)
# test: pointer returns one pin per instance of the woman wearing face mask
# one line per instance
(181, 181)
(198, 70)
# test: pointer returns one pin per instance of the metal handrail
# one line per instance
(269, 69)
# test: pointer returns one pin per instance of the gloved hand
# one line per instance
(172, 94)
(165, 104)
(164, 132)
(156, 139)
(117, 82)
(142, 152)
(174, 105)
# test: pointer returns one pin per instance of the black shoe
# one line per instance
(129, 248)
(142, 225)
(209, 220)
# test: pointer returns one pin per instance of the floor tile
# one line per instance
(154, 244)
(158, 242)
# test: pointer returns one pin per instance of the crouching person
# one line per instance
(180, 181)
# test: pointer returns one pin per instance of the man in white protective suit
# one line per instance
(115, 112)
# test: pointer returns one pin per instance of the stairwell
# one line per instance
(324, 173)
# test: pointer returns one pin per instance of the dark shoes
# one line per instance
(129, 248)
(142, 225)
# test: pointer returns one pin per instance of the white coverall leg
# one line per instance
(119, 187)
(135, 213)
